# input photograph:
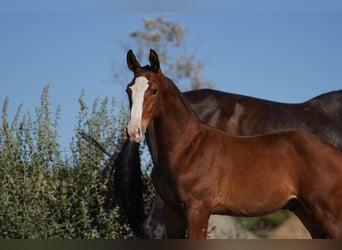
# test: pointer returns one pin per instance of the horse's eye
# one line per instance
(154, 91)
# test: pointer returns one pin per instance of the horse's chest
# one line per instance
(165, 185)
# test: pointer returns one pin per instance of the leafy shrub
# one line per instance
(48, 193)
(262, 224)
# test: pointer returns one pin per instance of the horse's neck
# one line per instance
(173, 129)
(177, 122)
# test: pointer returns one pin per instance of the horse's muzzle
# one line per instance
(135, 133)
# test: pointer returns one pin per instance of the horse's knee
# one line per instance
(154, 225)
(153, 229)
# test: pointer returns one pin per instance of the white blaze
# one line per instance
(138, 92)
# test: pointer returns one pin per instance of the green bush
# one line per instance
(262, 224)
(49, 193)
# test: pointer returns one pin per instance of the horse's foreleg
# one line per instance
(197, 218)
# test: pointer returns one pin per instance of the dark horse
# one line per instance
(203, 171)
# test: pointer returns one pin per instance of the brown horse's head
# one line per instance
(143, 94)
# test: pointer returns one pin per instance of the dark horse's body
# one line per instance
(242, 115)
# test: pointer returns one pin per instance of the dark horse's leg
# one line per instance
(315, 230)
(154, 226)
(164, 221)
(175, 220)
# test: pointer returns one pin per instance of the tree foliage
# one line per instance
(167, 38)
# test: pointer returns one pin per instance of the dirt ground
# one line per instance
(223, 227)
(292, 228)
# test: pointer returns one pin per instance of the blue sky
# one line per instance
(287, 52)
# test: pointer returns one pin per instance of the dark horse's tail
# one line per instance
(126, 185)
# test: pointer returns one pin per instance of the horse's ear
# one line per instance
(154, 61)
(132, 61)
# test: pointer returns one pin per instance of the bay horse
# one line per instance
(206, 171)
(237, 115)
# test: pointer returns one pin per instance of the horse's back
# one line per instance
(317, 155)
(323, 117)
(240, 114)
